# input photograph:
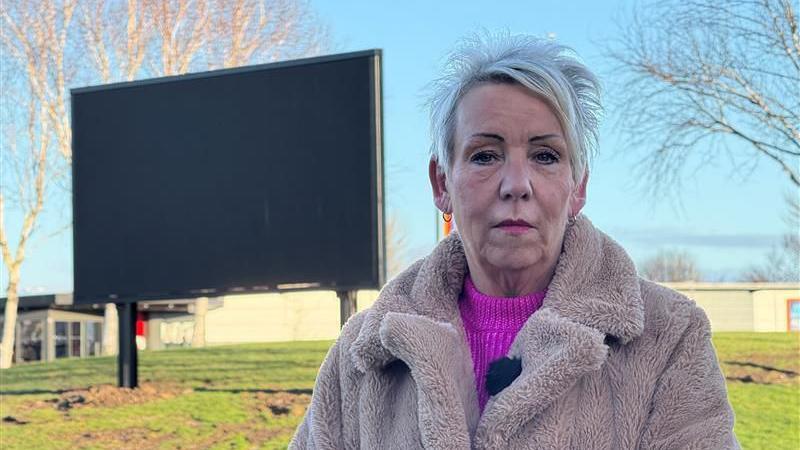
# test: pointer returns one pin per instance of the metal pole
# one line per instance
(127, 361)
(347, 305)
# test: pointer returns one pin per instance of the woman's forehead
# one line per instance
(504, 110)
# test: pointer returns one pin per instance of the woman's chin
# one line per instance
(516, 259)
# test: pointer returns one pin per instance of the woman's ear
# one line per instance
(578, 199)
(441, 197)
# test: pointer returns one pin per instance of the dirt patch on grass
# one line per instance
(256, 431)
(281, 403)
(14, 421)
(106, 395)
(122, 438)
(749, 372)
(272, 414)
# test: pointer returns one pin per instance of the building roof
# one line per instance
(29, 302)
(64, 301)
(729, 286)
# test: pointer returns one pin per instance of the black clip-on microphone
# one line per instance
(502, 372)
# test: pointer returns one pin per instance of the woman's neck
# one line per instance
(511, 283)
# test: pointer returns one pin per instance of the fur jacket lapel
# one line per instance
(594, 296)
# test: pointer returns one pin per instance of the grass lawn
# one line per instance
(768, 408)
(237, 397)
(253, 396)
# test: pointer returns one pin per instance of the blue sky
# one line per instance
(728, 221)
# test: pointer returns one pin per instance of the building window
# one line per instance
(77, 338)
(30, 335)
(61, 340)
(94, 338)
(68, 339)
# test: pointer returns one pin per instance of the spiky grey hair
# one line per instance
(551, 71)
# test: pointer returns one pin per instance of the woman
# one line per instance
(578, 351)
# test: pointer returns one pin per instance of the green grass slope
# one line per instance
(253, 396)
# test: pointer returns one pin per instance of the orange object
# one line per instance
(447, 227)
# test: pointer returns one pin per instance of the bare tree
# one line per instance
(110, 330)
(694, 77)
(249, 31)
(43, 49)
(34, 37)
(27, 184)
(117, 53)
(670, 265)
(181, 26)
(199, 332)
(783, 261)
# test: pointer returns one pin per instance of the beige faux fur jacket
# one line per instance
(609, 361)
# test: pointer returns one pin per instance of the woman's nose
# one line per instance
(516, 183)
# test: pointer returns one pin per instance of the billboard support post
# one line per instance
(127, 358)
(347, 305)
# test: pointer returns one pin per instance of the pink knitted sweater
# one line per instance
(491, 324)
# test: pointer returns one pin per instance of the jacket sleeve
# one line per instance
(332, 406)
(322, 427)
(690, 408)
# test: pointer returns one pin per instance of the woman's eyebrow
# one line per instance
(545, 137)
(492, 136)
(499, 138)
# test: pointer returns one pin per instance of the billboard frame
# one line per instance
(376, 174)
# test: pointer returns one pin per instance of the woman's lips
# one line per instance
(514, 229)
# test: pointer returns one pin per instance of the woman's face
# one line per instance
(510, 188)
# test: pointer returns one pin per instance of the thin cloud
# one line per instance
(665, 237)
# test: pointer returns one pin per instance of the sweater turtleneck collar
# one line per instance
(488, 313)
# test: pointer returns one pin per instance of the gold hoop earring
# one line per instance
(447, 217)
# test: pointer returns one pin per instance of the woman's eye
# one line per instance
(546, 157)
(484, 157)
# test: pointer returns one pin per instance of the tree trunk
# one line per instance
(199, 334)
(10, 318)
(110, 330)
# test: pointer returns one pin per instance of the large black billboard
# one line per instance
(253, 179)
